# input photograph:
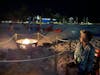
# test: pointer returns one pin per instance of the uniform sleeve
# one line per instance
(91, 59)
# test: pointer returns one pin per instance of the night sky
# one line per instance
(64, 7)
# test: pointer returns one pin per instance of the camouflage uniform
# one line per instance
(84, 57)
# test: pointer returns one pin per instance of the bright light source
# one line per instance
(26, 41)
(96, 54)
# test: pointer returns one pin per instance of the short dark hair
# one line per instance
(88, 34)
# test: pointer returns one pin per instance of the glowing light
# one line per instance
(26, 41)
(96, 54)
(97, 51)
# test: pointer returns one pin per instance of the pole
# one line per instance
(38, 36)
(15, 36)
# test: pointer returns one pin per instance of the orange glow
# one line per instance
(26, 41)
(97, 51)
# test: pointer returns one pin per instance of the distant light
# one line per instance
(46, 19)
(38, 17)
(54, 19)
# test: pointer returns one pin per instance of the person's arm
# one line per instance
(91, 59)
(76, 52)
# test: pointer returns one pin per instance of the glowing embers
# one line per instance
(26, 43)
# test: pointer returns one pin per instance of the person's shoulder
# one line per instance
(91, 46)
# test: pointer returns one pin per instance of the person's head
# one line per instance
(85, 36)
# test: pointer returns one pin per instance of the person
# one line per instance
(84, 53)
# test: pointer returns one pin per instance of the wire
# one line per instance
(27, 60)
(4, 42)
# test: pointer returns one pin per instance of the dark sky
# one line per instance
(64, 7)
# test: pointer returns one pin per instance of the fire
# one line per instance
(26, 41)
